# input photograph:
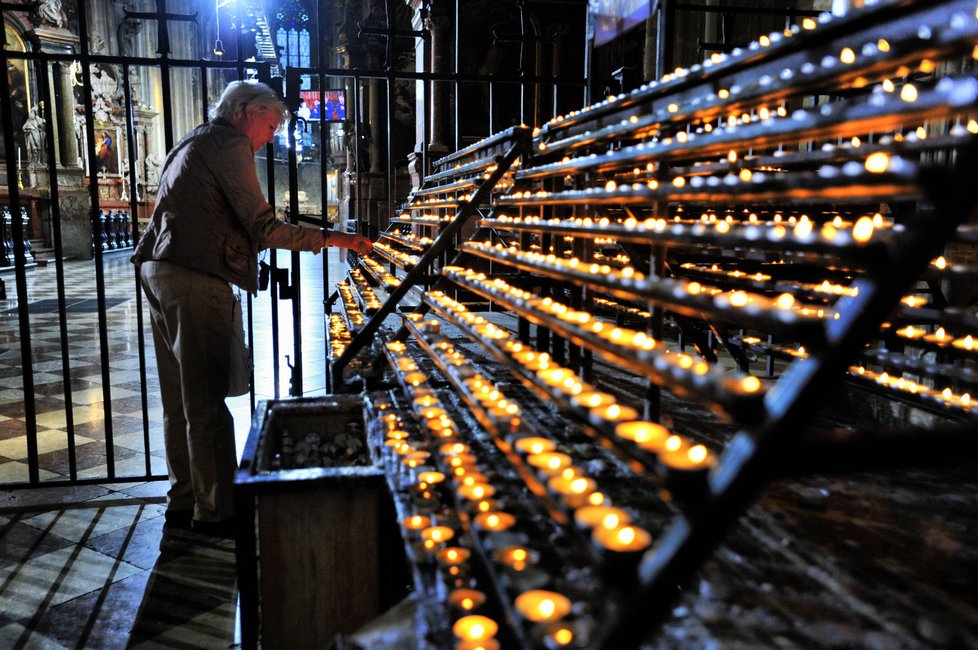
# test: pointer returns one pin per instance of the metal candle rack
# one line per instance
(725, 200)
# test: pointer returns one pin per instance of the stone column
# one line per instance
(438, 24)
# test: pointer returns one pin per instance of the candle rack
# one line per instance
(431, 223)
(787, 204)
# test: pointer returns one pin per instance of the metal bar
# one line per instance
(50, 115)
(325, 160)
(97, 237)
(30, 412)
(441, 243)
(131, 137)
(292, 84)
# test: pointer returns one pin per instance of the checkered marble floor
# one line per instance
(81, 566)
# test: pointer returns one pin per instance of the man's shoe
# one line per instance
(223, 529)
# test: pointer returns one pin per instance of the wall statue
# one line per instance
(34, 136)
(49, 11)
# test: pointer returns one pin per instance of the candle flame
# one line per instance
(626, 535)
(878, 162)
(751, 384)
(698, 453)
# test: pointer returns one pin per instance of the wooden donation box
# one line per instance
(310, 501)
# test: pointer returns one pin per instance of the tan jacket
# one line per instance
(211, 214)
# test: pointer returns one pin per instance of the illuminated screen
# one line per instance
(332, 106)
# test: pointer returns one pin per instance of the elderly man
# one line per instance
(210, 221)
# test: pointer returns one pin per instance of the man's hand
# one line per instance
(356, 243)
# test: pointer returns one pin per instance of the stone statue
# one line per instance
(153, 167)
(34, 136)
(128, 29)
(135, 87)
(50, 11)
(105, 92)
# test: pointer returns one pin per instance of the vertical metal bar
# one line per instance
(456, 18)
(134, 211)
(164, 52)
(49, 116)
(426, 111)
(325, 155)
(17, 228)
(357, 165)
(492, 107)
(292, 83)
(665, 35)
(391, 178)
(97, 235)
(273, 257)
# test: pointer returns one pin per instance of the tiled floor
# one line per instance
(81, 566)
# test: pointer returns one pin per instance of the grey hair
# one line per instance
(242, 96)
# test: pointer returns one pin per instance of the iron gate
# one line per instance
(83, 407)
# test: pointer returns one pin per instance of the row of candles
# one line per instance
(730, 303)
(939, 337)
(773, 39)
(434, 202)
(675, 454)
(799, 232)
(406, 260)
(383, 275)
(945, 396)
(411, 241)
(424, 219)
(370, 301)
(339, 335)
(825, 287)
(617, 343)
(350, 306)
(869, 54)
(443, 540)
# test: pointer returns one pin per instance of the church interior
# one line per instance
(667, 337)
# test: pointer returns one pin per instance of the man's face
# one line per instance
(261, 127)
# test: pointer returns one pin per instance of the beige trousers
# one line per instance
(191, 319)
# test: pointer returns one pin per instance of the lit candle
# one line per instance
(601, 516)
(534, 445)
(475, 628)
(539, 606)
(648, 435)
(437, 534)
(453, 448)
(433, 412)
(624, 539)
(593, 399)
(551, 462)
(611, 414)
(554, 376)
(415, 378)
(495, 521)
(453, 555)
(416, 522)
(430, 478)
(687, 467)
(425, 401)
(516, 557)
(476, 491)
(573, 490)
(466, 599)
